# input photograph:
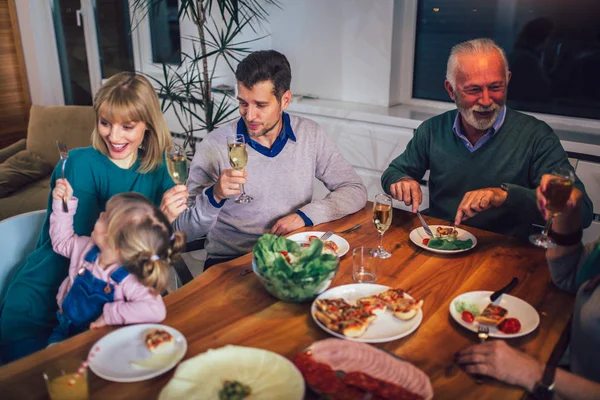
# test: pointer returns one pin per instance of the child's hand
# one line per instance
(99, 323)
(62, 190)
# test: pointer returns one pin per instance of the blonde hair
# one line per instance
(126, 97)
(472, 47)
(143, 237)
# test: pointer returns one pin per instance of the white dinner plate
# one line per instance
(418, 234)
(269, 375)
(342, 244)
(517, 308)
(384, 329)
(115, 353)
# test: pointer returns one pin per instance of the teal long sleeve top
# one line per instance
(30, 303)
(522, 150)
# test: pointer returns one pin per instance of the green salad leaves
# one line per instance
(291, 272)
(445, 244)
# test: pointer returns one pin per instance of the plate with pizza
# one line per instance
(508, 317)
(367, 312)
(446, 240)
(137, 352)
(335, 243)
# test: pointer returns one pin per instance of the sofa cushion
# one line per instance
(11, 150)
(72, 125)
(30, 198)
(20, 170)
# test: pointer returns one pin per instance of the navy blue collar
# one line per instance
(285, 134)
(92, 254)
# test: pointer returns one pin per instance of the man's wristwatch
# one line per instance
(544, 389)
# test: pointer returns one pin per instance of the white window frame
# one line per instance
(406, 71)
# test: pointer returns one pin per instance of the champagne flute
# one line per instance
(382, 219)
(238, 158)
(177, 167)
(557, 193)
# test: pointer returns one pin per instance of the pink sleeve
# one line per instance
(140, 306)
(61, 227)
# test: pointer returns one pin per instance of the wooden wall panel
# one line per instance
(15, 100)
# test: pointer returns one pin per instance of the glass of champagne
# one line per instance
(557, 193)
(238, 158)
(382, 219)
(177, 167)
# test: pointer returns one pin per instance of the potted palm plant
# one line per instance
(187, 89)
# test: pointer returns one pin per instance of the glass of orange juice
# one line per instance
(63, 382)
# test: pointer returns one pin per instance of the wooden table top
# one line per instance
(221, 307)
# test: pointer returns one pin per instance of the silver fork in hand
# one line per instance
(483, 332)
(64, 154)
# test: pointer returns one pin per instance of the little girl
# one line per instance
(117, 276)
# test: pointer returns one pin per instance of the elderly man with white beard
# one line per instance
(485, 160)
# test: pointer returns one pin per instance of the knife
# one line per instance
(505, 289)
(424, 224)
(326, 235)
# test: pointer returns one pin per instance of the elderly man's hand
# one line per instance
(409, 191)
(229, 184)
(477, 201)
(287, 224)
(173, 202)
(501, 361)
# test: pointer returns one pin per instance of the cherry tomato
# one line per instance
(312, 237)
(510, 325)
(426, 241)
(467, 316)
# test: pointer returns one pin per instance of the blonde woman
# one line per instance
(126, 156)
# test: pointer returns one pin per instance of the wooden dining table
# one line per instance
(221, 307)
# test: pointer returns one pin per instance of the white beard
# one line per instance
(468, 115)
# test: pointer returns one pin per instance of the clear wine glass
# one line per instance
(557, 193)
(178, 167)
(382, 219)
(238, 158)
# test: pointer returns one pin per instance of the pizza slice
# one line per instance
(373, 304)
(403, 307)
(159, 341)
(407, 308)
(446, 232)
(339, 316)
(492, 315)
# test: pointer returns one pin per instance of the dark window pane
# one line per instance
(114, 37)
(164, 29)
(553, 50)
(70, 43)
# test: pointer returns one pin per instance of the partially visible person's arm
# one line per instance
(347, 192)
(507, 364)
(565, 261)
(141, 306)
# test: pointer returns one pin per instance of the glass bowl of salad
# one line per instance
(291, 272)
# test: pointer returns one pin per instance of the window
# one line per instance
(553, 50)
(164, 33)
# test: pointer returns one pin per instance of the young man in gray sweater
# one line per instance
(285, 154)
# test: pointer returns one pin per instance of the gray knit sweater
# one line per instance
(280, 186)
(585, 331)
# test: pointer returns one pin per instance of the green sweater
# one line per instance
(522, 150)
(30, 303)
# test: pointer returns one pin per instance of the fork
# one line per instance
(64, 154)
(483, 332)
(424, 224)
